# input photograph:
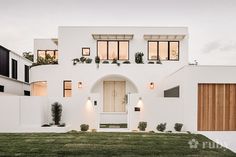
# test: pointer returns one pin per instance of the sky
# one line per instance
(211, 23)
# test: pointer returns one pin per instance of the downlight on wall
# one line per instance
(80, 85)
(137, 108)
(151, 85)
(89, 105)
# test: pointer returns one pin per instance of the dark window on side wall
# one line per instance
(1, 88)
(26, 73)
(67, 88)
(13, 68)
(26, 93)
(163, 50)
(4, 61)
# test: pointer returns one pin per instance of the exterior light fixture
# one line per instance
(151, 85)
(79, 84)
(89, 98)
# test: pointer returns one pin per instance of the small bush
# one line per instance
(178, 126)
(105, 62)
(62, 125)
(126, 62)
(56, 113)
(142, 126)
(88, 60)
(84, 127)
(46, 125)
(82, 59)
(161, 127)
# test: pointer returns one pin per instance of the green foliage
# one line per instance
(126, 62)
(82, 59)
(105, 62)
(56, 113)
(114, 61)
(139, 57)
(44, 61)
(178, 126)
(29, 56)
(142, 126)
(84, 127)
(161, 127)
(88, 60)
(97, 59)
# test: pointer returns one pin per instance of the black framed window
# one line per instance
(1, 88)
(67, 88)
(26, 73)
(163, 50)
(43, 53)
(13, 68)
(108, 50)
(4, 61)
(26, 93)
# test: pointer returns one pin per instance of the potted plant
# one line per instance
(139, 57)
(97, 61)
(56, 113)
(178, 127)
(88, 60)
(161, 127)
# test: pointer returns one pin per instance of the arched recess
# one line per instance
(96, 86)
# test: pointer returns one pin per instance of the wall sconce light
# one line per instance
(79, 84)
(89, 98)
(151, 85)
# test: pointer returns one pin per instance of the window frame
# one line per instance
(14, 69)
(157, 41)
(83, 48)
(45, 52)
(26, 69)
(118, 49)
(64, 88)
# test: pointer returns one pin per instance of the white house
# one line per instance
(117, 96)
(14, 73)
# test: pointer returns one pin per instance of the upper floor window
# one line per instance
(108, 50)
(51, 53)
(14, 68)
(163, 50)
(26, 73)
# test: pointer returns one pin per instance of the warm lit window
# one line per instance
(51, 53)
(39, 88)
(67, 88)
(108, 50)
(163, 50)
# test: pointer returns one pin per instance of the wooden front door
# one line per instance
(113, 96)
(217, 107)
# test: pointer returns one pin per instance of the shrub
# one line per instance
(97, 59)
(84, 127)
(88, 60)
(56, 113)
(62, 125)
(46, 125)
(178, 126)
(126, 62)
(82, 59)
(161, 127)
(105, 62)
(142, 126)
(75, 61)
(139, 57)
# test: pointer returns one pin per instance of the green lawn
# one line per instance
(106, 144)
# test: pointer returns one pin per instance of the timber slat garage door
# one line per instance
(217, 107)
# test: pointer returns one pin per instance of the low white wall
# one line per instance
(155, 110)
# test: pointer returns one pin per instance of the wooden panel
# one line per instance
(108, 96)
(119, 96)
(216, 107)
(113, 96)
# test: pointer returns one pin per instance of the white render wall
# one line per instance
(72, 39)
(13, 86)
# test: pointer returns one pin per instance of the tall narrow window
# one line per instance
(26, 73)
(163, 50)
(152, 49)
(13, 68)
(123, 50)
(174, 50)
(67, 88)
(4, 61)
(112, 50)
(108, 50)
(102, 49)
(1, 88)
